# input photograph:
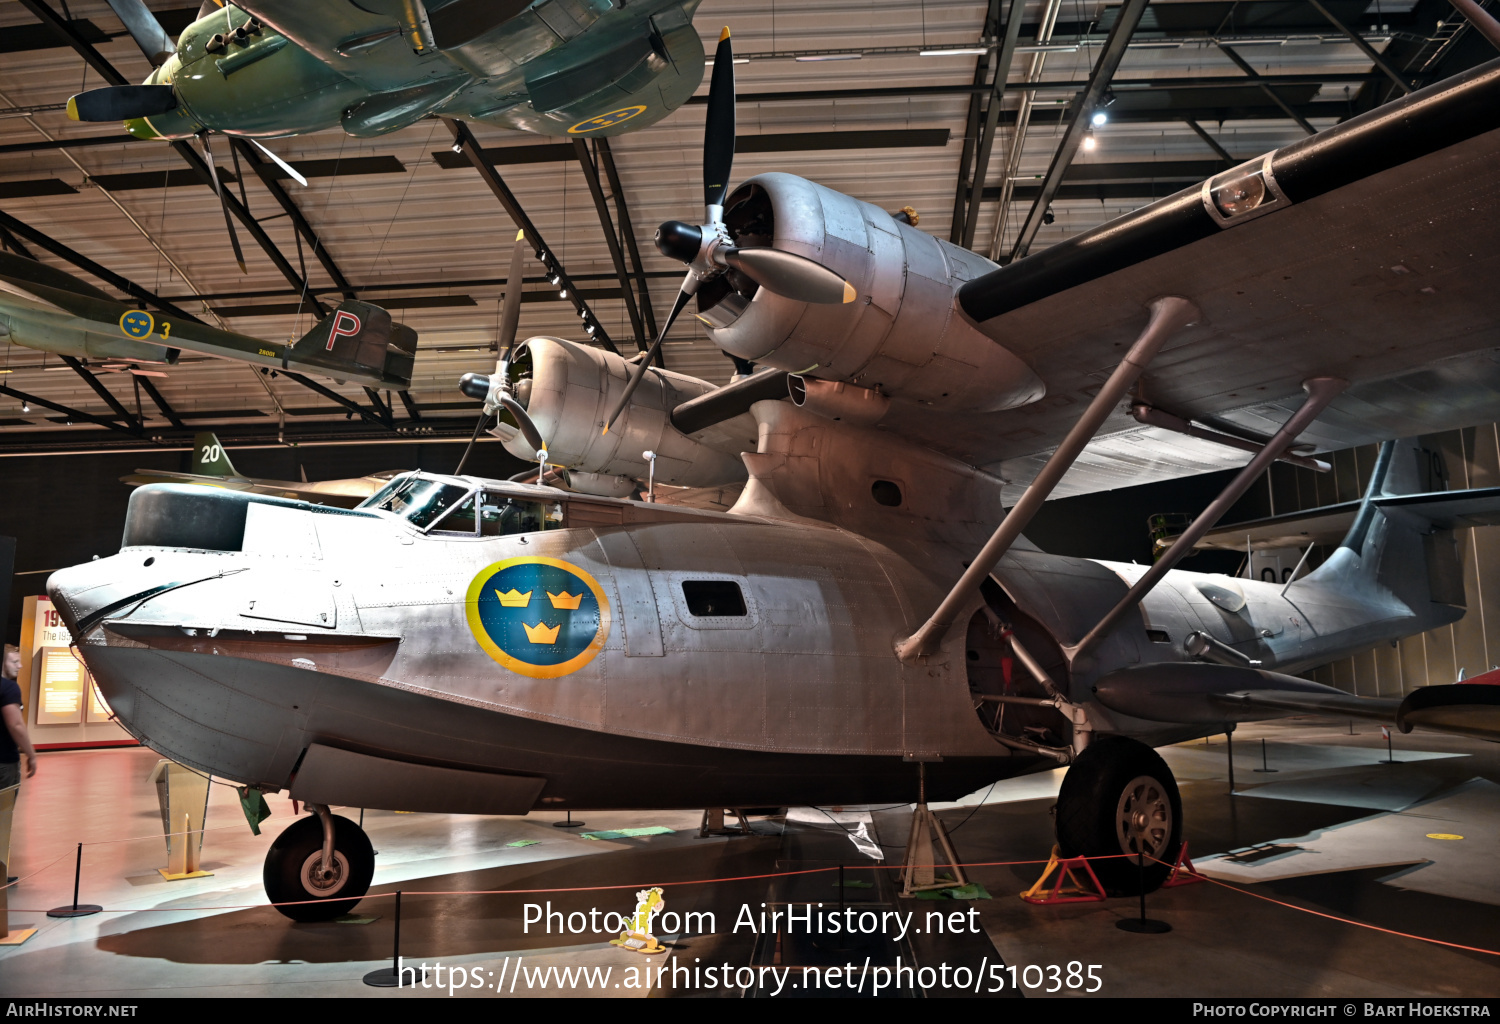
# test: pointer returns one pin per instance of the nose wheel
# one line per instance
(311, 882)
(1119, 797)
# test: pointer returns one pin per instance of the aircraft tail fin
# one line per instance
(1402, 535)
(209, 457)
(361, 342)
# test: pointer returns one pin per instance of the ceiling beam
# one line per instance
(1365, 48)
(1212, 142)
(269, 175)
(992, 119)
(161, 403)
(333, 395)
(412, 410)
(135, 291)
(1083, 108)
(612, 175)
(612, 239)
(469, 145)
(72, 414)
(102, 391)
(1259, 80)
(918, 91)
(961, 189)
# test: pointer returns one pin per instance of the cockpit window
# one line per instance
(501, 515)
(418, 501)
(460, 520)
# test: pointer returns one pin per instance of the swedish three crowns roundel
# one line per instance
(540, 617)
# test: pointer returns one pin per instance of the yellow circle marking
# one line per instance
(535, 671)
(608, 120)
(137, 323)
(1442, 835)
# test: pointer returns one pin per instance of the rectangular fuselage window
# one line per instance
(714, 598)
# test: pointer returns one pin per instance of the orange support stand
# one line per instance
(1183, 872)
(1068, 887)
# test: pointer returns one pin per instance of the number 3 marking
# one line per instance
(166, 329)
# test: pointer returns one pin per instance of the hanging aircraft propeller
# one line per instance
(131, 369)
(494, 389)
(124, 102)
(709, 249)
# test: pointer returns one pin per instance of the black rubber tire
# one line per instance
(283, 872)
(1089, 800)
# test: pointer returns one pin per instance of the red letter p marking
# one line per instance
(345, 325)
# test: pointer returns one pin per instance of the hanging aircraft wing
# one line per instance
(1365, 252)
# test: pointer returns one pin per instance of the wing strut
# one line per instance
(1320, 391)
(1168, 316)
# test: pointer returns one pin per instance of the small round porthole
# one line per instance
(886, 492)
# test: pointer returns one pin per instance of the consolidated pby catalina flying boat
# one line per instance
(867, 623)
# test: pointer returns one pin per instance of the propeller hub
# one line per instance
(679, 240)
(475, 385)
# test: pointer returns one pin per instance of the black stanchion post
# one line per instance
(77, 909)
(390, 977)
(1265, 766)
(1142, 925)
(1229, 742)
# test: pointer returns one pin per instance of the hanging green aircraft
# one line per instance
(267, 68)
(44, 308)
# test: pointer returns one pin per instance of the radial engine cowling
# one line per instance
(568, 390)
(903, 335)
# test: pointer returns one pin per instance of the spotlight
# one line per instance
(562, 293)
(1109, 97)
(1100, 118)
(592, 328)
(1088, 140)
(458, 147)
(556, 279)
(25, 406)
(1049, 217)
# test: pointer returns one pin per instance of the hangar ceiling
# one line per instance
(891, 101)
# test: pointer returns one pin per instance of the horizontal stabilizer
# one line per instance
(1330, 524)
(1199, 694)
(121, 102)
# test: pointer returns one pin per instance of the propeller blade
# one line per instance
(510, 315)
(213, 174)
(689, 286)
(718, 130)
(523, 420)
(121, 102)
(785, 273)
(291, 172)
(145, 30)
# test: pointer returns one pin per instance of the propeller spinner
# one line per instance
(709, 249)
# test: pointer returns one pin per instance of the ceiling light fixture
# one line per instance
(967, 51)
(1100, 118)
(829, 56)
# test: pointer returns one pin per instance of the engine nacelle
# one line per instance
(903, 336)
(571, 389)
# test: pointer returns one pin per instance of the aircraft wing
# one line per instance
(1373, 260)
(1447, 510)
(1468, 709)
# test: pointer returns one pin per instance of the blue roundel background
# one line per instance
(507, 625)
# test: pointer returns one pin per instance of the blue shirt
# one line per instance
(10, 693)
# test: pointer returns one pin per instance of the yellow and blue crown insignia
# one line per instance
(541, 640)
(542, 633)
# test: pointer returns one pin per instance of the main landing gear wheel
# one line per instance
(293, 869)
(1119, 797)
